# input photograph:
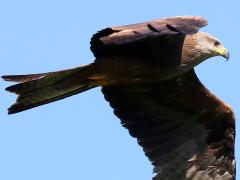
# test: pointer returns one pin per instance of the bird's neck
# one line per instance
(192, 54)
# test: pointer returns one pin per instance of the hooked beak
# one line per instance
(226, 55)
(223, 52)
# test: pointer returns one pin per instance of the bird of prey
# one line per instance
(146, 71)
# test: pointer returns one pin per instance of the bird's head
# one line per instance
(210, 45)
(201, 46)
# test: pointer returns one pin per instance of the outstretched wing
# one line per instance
(143, 35)
(185, 130)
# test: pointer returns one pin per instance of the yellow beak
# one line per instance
(223, 52)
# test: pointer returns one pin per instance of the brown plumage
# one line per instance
(146, 71)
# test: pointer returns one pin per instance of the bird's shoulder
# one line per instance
(127, 38)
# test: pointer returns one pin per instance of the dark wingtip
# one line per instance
(15, 108)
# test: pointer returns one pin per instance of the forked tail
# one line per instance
(37, 89)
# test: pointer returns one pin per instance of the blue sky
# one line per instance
(79, 138)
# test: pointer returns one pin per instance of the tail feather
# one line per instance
(31, 77)
(36, 98)
(38, 89)
(23, 78)
(40, 80)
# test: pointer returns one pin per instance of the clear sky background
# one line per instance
(79, 138)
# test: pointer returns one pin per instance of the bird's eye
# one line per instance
(216, 43)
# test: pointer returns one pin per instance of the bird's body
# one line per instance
(146, 71)
(131, 67)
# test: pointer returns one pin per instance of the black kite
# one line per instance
(146, 71)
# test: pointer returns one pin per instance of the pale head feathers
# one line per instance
(199, 47)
